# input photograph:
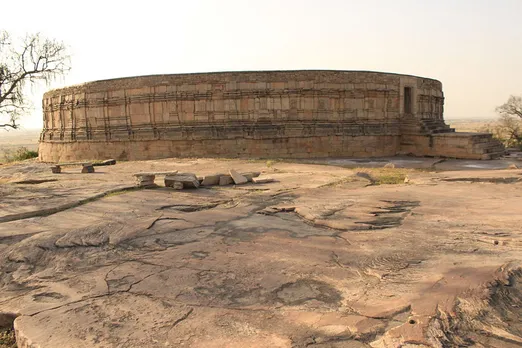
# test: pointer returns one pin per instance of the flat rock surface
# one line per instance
(318, 258)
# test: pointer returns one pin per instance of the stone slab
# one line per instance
(155, 173)
(238, 178)
(109, 162)
(262, 180)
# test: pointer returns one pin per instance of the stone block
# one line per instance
(189, 180)
(88, 168)
(225, 180)
(210, 180)
(145, 183)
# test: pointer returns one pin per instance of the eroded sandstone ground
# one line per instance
(319, 258)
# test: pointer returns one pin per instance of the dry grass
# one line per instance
(342, 181)
(375, 176)
(386, 176)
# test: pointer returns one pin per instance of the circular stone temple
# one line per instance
(286, 114)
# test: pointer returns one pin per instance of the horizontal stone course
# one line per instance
(246, 148)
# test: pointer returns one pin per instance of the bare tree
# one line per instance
(29, 60)
(508, 129)
(513, 107)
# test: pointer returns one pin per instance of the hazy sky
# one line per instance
(473, 46)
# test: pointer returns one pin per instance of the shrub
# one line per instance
(20, 154)
(7, 338)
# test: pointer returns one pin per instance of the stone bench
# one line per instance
(144, 179)
(86, 167)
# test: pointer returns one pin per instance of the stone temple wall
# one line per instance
(293, 114)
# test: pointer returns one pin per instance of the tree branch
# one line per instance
(12, 125)
(30, 60)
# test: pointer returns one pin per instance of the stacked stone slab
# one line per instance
(264, 114)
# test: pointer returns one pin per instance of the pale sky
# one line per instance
(474, 47)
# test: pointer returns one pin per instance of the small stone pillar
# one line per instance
(88, 168)
(56, 169)
(145, 180)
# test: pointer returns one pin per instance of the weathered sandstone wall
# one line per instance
(260, 114)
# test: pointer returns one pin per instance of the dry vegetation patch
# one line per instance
(386, 176)
(7, 338)
(19, 154)
(375, 176)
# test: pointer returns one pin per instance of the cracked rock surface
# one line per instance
(315, 259)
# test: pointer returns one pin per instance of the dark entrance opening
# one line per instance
(407, 100)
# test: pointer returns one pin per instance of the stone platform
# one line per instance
(319, 258)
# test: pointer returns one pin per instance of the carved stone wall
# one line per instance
(229, 114)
